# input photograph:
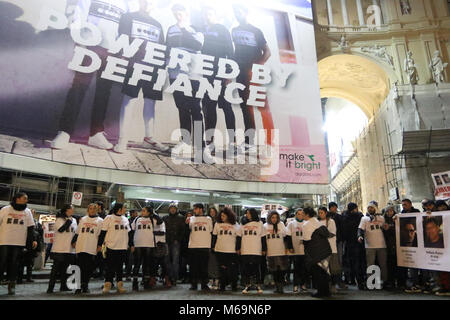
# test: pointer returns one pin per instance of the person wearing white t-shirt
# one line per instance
(199, 246)
(224, 245)
(63, 252)
(370, 231)
(317, 252)
(86, 248)
(161, 251)
(252, 247)
(294, 237)
(277, 259)
(114, 235)
(142, 246)
(16, 232)
(335, 267)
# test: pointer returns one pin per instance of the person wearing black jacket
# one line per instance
(338, 219)
(185, 37)
(16, 232)
(218, 44)
(317, 252)
(175, 232)
(184, 252)
(354, 252)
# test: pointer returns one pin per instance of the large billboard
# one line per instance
(204, 89)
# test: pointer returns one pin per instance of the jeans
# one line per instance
(61, 262)
(355, 263)
(381, 255)
(173, 260)
(300, 273)
(86, 262)
(228, 268)
(199, 265)
(251, 270)
(114, 264)
(144, 257)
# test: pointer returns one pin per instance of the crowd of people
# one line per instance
(324, 250)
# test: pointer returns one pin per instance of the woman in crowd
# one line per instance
(213, 266)
(161, 250)
(224, 245)
(318, 252)
(16, 232)
(114, 235)
(294, 237)
(335, 268)
(86, 248)
(142, 246)
(63, 253)
(251, 245)
(277, 259)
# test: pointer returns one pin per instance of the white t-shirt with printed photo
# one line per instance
(374, 237)
(62, 242)
(143, 233)
(201, 228)
(275, 240)
(117, 228)
(332, 229)
(14, 226)
(251, 234)
(226, 237)
(295, 230)
(88, 231)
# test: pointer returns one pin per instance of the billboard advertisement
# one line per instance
(203, 89)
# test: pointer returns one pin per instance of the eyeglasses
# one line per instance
(411, 231)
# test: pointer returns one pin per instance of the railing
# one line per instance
(342, 29)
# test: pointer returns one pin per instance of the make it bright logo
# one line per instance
(300, 161)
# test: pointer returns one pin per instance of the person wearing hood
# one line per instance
(175, 233)
(318, 252)
(16, 232)
(370, 231)
(354, 256)
(63, 253)
(86, 248)
(277, 259)
(294, 239)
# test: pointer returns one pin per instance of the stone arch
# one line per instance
(355, 78)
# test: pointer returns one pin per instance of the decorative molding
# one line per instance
(379, 52)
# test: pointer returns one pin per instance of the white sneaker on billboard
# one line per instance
(182, 147)
(152, 144)
(121, 146)
(61, 141)
(99, 141)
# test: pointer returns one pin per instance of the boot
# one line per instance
(107, 287)
(51, 286)
(12, 288)
(136, 284)
(120, 288)
(167, 282)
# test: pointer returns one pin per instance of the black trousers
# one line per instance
(354, 257)
(61, 262)
(143, 256)
(228, 268)
(251, 269)
(321, 280)
(114, 264)
(86, 262)
(9, 257)
(26, 260)
(209, 107)
(300, 273)
(100, 264)
(129, 261)
(248, 112)
(77, 93)
(189, 112)
(198, 264)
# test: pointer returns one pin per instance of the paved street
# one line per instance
(37, 291)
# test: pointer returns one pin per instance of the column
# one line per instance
(344, 12)
(360, 13)
(330, 13)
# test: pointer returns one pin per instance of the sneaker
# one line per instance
(121, 146)
(245, 291)
(295, 289)
(182, 148)
(208, 158)
(211, 147)
(259, 289)
(99, 141)
(152, 144)
(61, 141)
(413, 289)
(303, 289)
(443, 293)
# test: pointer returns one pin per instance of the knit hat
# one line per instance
(373, 204)
(351, 206)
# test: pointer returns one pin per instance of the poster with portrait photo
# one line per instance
(441, 181)
(422, 240)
